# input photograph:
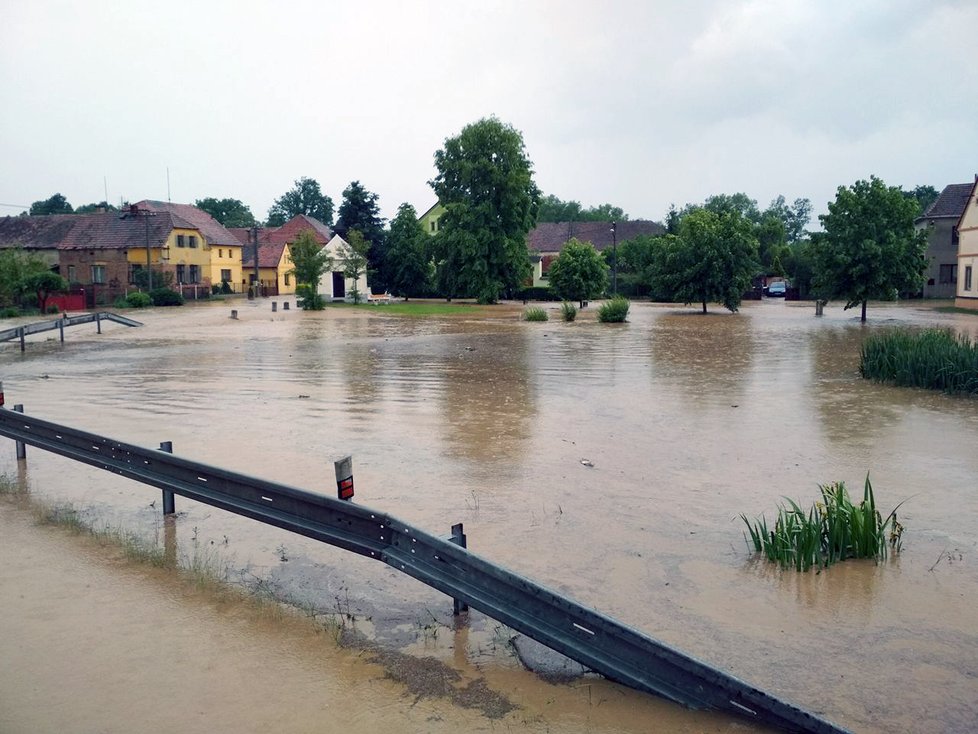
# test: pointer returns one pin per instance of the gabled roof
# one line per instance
(103, 231)
(429, 210)
(551, 236)
(272, 241)
(290, 231)
(951, 202)
(214, 232)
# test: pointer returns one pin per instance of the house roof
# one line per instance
(193, 218)
(272, 241)
(289, 232)
(551, 236)
(37, 232)
(951, 202)
(429, 210)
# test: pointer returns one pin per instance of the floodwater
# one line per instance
(610, 462)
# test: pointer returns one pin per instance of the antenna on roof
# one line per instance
(105, 185)
(168, 183)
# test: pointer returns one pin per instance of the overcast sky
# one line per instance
(639, 104)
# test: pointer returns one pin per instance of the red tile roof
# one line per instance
(214, 232)
(272, 241)
(106, 231)
(551, 236)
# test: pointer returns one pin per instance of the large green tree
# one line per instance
(924, 196)
(309, 261)
(795, 217)
(713, 259)
(16, 266)
(43, 284)
(103, 206)
(229, 212)
(869, 248)
(57, 204)
(636, 262)
(359, 210)
(304, 198)
(485, 182)
(579, 273)
(408, 260)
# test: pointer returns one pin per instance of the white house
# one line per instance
(334, 286)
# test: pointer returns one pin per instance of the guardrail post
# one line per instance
(21, 446)
(61, 328)
(169, 505)
(344, 477)
(458, 538)
(98, 322)
(20, 333)
(274, 306)
(234, 314)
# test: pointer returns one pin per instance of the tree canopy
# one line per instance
(408, 261)
(229, 212)
(553, 209)
(95, 207)
(309, 261)
(869, 248)
(354, 259)
(579, 273)
(712, 259)
(43, 284)
(57, 204)
(924, 196)
(485, 182)
(303, 198)
(16, 266)
(359, 210)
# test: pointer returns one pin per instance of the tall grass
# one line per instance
(832, 530)
(614, 311)
(535, 313)
(933, 358)
(568, 311)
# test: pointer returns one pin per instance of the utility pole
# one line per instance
(145, 214)
(614, 255)
(254, 234)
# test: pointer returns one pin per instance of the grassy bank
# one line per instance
(934, 358)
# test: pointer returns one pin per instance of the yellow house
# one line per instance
(967, 294)
(199, 250)
(429, 220)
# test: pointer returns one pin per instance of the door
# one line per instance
(339, 285)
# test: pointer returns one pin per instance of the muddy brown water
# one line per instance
(610, 462)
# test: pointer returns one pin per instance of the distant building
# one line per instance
(941, 223)
(429, 220)
(967, 293)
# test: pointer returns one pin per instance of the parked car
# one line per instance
(776, 289)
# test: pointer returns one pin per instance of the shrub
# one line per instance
(138, 299)
(833, 530)
(614, 311)
(932, 358)
(226, 288)
(534, 313)
(215, 289)
(9, 312)
(568, 311)
(165, 297)
(53, 308)
(308, 300)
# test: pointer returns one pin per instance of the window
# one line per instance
(288, 280)
(949, 274)
(967, 277)
(133, 272)
(194, 273)
(220, 254)
(434, 225)
(193, 241)
(226, 275)
(181, 274)
(98, 274)
(180, 241)
(71, 274)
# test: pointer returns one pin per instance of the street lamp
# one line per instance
(614, 255)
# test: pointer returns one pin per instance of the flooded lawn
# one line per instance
(610, 462)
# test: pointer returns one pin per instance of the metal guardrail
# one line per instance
(606, 646)
(19, 332)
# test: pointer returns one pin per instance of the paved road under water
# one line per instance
(610, 462)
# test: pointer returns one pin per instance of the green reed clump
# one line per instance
(614, 311)
(933, 358)
(832, 530)
(568, 311)
(535, 313)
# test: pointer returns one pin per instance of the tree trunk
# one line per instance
(704, 305)
(863, 319)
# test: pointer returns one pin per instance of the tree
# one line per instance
(57, 204)
(15, 266)
(485, 182)
(579, 273)
(712, 259)
(924, 196)
(354, 259)
(869, 248)
(772, 242)
(309, 261)
(360, 211)
(95, 207)
(229, 212)
(43, 284)
(553, 209)
(636, 261)
(738, 203)
(303, 198)
(408, 263)
(795, 217)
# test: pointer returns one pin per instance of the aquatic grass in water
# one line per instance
(535, 313)
(933, 358)
(834, 529)
(614, 311)
(568, 311)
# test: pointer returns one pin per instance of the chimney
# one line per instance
(134, 210)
